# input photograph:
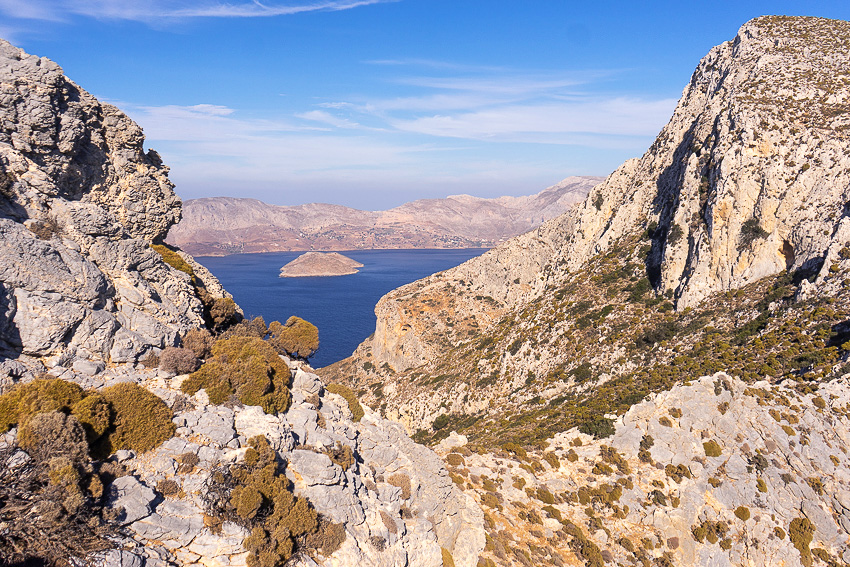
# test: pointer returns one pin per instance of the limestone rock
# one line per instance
(78, 192)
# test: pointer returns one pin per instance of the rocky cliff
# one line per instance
(225, 225)
(741, 197)
(105, 460)
(80, 202)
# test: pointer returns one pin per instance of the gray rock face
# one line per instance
(393, 482)
(79, 194)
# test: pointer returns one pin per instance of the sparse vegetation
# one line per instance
(297, 338)
(247, 368)
(353, 403)
(257, 495)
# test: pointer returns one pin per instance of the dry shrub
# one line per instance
(142, 420)
(150, 361)
(168, 487)
(247, 367)
(297, 338)
(455, 460)
(199, 341)
(53, 435)
(448, 560)
(402, 481)
(341, 454)
(178, 360)
(389, 523)
(187, 462)
(46, 228)
(222, 313)
(353, 403)
(327, 539)
(257, 495)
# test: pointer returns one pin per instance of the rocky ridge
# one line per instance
(458, 221)
(747, 183)
(385, 524)
(79, 194)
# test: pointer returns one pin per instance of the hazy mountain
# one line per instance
(225, 225)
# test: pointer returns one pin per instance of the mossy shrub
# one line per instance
(297, 338)
(801, 532)
(257, 495)
(124, 416)
(247, 367)
(41, 395)
(742, 513)
(350, 397)
(142, 421)
(712, 449)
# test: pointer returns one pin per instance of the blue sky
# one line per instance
(371, 103)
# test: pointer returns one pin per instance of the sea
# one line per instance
(342, 307)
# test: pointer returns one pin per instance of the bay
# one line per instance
(342, 307)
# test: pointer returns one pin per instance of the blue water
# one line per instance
(342, 307)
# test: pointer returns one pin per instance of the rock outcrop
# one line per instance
(80, 200)
(224, 225)
(313, 264)
(717, 472)
(387, 522)
(749, 180)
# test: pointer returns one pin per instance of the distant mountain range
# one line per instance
(218, 226)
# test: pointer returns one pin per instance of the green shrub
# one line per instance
(440, 422)
(516, 450)
(247, 367)
(598, 427)
(173, 259)
(712, 449)
(95, 414)
(801, 531)
(142, 420)
(751, 230)
(552, 459)
(353, 403)
(297, 338)
(742, 513)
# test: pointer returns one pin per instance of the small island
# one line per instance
(312, 264)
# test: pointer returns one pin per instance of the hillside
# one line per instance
(225, 225)
(724, 248)
(659, 377)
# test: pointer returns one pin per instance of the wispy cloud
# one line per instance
(152, 10)
(507, 106)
